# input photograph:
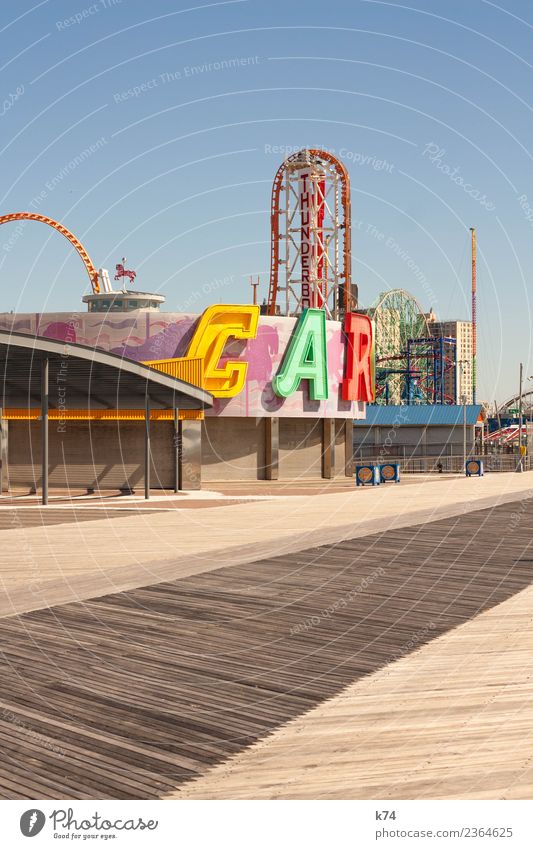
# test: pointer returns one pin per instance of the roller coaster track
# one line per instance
(34, 216)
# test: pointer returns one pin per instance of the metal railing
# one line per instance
(449, 463)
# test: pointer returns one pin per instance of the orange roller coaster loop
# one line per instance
(34, 216)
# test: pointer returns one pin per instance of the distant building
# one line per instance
(462, 332)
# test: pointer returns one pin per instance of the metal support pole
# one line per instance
(464, 433)
(408, 380)
(147, 446)
(474, 314)
(442, 354)
(454, 355)
(177, 452)
(520, 420)
(44, 429)
(436, 393)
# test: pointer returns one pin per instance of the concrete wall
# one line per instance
(233, 449)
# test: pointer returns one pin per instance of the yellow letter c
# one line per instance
(217, 324)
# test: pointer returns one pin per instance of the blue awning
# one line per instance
(394, 415)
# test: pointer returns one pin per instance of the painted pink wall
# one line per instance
(156, 336)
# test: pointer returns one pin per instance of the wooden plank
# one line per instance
(134, 693)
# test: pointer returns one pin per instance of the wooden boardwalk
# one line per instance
(133, 694)
(75, 560)
(451, 720)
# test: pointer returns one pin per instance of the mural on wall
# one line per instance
(142, 336)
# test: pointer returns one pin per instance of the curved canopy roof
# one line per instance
(84, 377)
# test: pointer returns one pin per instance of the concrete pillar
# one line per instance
(349, 465)
(272, 448)
(176, 444)
(328, 449)
(190, 454)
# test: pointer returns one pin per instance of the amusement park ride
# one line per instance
(100, 280)
(310, 226)
(34, 216)
(311, 268)
(411, 364)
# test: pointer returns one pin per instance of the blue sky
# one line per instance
(428, 103)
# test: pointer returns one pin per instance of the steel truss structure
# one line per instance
(310, 226)
(428, 361)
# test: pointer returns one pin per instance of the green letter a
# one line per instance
(305, 358)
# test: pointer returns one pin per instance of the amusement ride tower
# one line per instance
(310, 223)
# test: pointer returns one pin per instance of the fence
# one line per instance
(451, 464)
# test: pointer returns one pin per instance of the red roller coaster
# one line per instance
(311, 192)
